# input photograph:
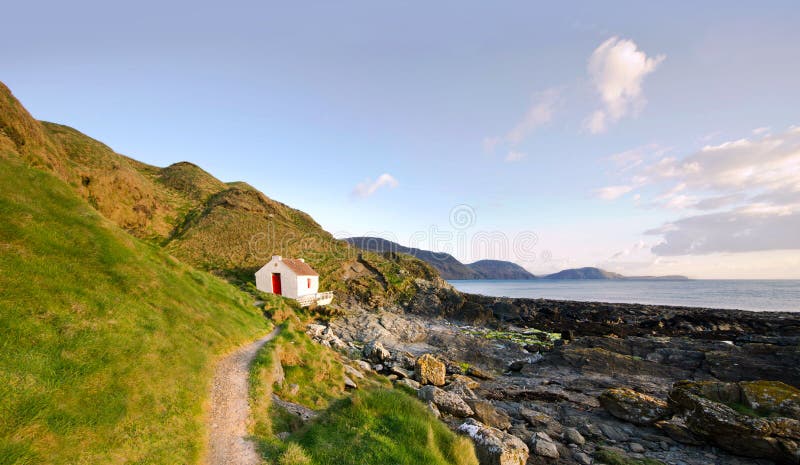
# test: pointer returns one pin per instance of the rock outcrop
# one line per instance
(634, 407)
(430, 370)
(568, 402)
(743, 418)
(494, 447)
(375, 352)
(446, 401)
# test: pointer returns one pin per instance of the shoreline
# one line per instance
(781, 296)
(626, 319)
(642, 304)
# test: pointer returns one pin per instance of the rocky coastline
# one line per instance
(543, 381)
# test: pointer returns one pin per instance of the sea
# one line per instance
(756, 295)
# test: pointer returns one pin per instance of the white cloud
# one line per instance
(617, 68)
(740, 230)
(613, 192)
(741, 195)
(514, 155)
(539, 113)
(369, 187)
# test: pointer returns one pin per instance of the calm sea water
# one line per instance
(759, 295)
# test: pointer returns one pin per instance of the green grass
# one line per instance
(381, 426)
(107, 342)
(373, 425)
(313, 367)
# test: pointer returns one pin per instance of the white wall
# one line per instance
(292, 285)
(302, 285)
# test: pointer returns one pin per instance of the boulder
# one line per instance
(446, 401)
(581, 457)
(408, 382)
(434, 410)
(404, 360)
(573, 436)
(541, 421)
(460, 388)
(352, 372)
(314, 330)
(494, 447)
(349, 383)
(487, 414)
(613, 433)
(375, 352)
(430, 370)
(363, 366)
(544, 446)
(400, 372)
(719, 413)
(634, 407)
(278, 375)
(476, 372)
(771, 397)
(467, 381)
(676, 429)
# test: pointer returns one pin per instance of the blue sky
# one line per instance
(643, 137)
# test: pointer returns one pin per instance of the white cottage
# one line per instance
(293, 278)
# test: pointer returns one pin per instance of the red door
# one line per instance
(276, 283)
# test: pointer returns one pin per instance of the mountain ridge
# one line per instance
(590, 272)
(448, 266)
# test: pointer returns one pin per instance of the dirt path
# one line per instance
(228, 443)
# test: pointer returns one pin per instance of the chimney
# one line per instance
(301, 260)
(277, 257)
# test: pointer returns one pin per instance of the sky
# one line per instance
(640, 137)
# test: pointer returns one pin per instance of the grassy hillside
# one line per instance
(372, 425)
(380, 426)
(107, 342)
(230, 229)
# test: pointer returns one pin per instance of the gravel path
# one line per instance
(228, 443)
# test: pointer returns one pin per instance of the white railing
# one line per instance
(320, 298)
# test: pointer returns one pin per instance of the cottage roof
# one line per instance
(300, 267)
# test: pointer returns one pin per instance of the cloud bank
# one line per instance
(738, 196)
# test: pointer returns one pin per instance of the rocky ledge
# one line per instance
(553, 385)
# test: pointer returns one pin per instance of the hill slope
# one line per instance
(597, 273)
(584, 273)
(500, 269)
(230, 229)
(448, 266)
(106, 340)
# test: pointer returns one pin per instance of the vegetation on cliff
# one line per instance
(374, 424)
(106, 339)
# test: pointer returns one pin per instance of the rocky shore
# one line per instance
(541, 381)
